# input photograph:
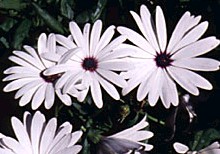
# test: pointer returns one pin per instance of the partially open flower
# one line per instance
(130, 140)
(27, 76)
(35, 136)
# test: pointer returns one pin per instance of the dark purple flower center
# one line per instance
(163, 59)
(90, 64)
(50, 78)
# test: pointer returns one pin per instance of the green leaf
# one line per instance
(99, 9)
(4, 42)
(66, 8)
(21, 33)
(48, 19)
(12, 4)
(8, 24)
(83, 17)
(204, 138)
(86, 147)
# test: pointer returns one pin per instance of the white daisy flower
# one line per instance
(28, 76)
(92, 59)
(214, 148)
(127, 141)
(35, 136)
(159, 64)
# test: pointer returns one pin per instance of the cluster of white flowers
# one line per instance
(89, 60)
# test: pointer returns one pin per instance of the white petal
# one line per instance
(58, 69)
(42, 43)
(76, 33)
(110, 89)
(198, 80)
(106, 38)
(31, 51)
(184, 25)
(169, 94)
(13, 145)
(26, 98)
(161, 28)
(51, 56)
(137, 39)
(21, 133)
(95, 36)
(48, 135)
(86, 33)
(75, 137)
(182, 78)
(179, 31)
(61, 144)
(192, 36)
(135, 80)
(37, 124)
(21, 70)
(198, 64)
(115, 65)
(49, 96)
(198, 48)
(214, 145)
(68, 55)
(180, 148)
(27, 119)
(64, 98)
(64, 129)
(139, 135)
(144, 87)
(73, 79)
(155, 86)
(63, 79)
(96, 93)
(16, 84)
(82, 95)
(117, 53)
(134, 134)
(139, 23)
(19, 76)
(71, 150)
(27, 87)
(147, 22)
(111, 46)
(35, 61)
(21, 62)
(51, 43)
(65, 42)
(112, 77)
(6, 151)
(38, 97)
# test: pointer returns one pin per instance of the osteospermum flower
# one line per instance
(35, 136)
(159, 64)
(214, 148)
(32, 85)
(130, 140)
(92, 60)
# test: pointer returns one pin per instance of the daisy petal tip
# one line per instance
(99, 105)
(6, 89)
(176, 103)
(158, 8)
(180, 148)
(166, 105)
